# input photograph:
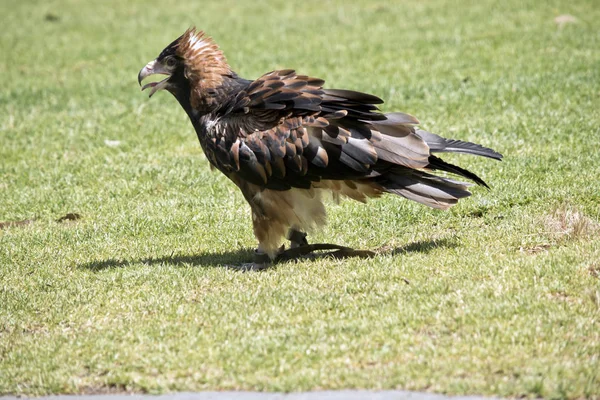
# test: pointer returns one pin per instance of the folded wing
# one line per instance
(284, 130)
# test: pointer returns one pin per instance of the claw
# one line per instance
(251, 266)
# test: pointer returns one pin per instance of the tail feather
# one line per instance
(438, 144)
(436, 163)
(394, 154)
(430, 190)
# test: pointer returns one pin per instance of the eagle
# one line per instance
(285, 141)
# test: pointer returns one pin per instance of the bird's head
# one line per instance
(192, 63)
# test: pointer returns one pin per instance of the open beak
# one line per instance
(153, 68)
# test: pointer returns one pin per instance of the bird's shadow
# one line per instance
(423, 246)
(235, 258)
(205, 259)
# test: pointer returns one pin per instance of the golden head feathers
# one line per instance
(203, 59)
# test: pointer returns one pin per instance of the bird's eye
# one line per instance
(170, 62)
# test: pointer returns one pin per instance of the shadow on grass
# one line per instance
(237, 257)
(200, 260)
(423, 246)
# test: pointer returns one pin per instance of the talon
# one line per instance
(261, 258)
(250, 266)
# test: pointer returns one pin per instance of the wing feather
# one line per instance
(284, 130)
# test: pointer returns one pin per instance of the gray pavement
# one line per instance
(323, 395)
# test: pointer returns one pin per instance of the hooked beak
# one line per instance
(153, 68)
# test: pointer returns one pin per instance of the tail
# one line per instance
(423, 187)
(436, 163)
(430, 190)
(438, 144)
(394, 154)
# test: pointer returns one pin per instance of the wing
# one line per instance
(279, 132)
(275, 95)
(284, 130)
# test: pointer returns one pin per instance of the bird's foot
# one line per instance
(297, 238)
(308, 250)
(251, 266)
(262, 260)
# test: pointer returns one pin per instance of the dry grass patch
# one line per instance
(594, 270)
(567, 223)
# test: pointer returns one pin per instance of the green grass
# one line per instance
(499, 296)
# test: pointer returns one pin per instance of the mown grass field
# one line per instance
(499, 296)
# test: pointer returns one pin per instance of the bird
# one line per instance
(286, 141)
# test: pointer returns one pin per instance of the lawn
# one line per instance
(498, 296)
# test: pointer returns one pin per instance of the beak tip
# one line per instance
(153, 68)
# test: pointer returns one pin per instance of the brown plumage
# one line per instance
(283, 140)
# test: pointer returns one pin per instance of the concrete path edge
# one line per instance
(317, 395)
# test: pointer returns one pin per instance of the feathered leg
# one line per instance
(276, 215)
(269, 234)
